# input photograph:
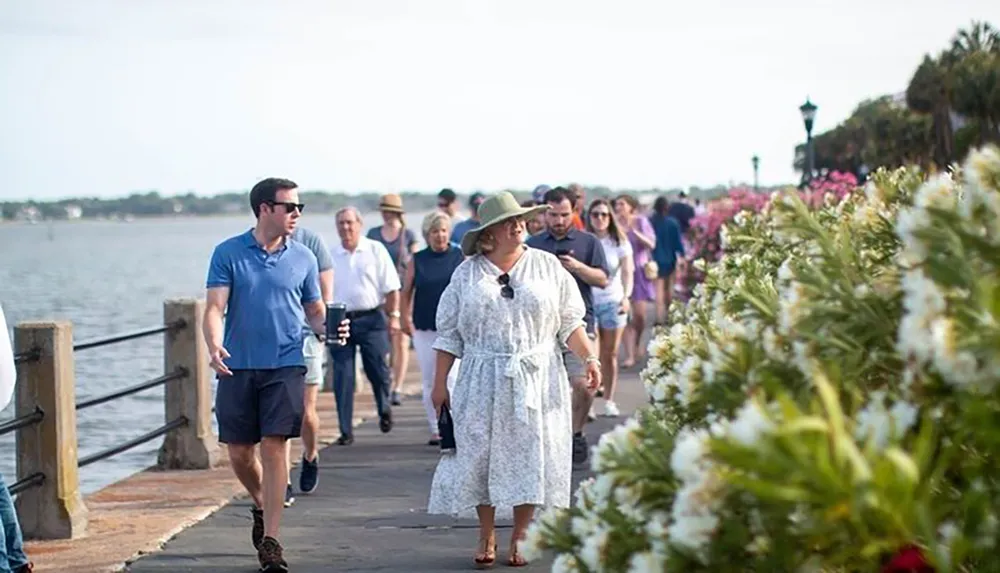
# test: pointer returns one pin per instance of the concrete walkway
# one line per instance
(367, 513)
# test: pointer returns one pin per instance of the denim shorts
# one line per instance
(251, 404)
(609, 315)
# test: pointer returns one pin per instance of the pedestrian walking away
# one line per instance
(266, 286)
(366, 282)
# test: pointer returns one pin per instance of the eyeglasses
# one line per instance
(506, 290)
(288, 205)
(599, 214)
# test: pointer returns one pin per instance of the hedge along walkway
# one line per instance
(368, 513)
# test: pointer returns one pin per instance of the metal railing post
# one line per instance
(193, 445)
(54, 509)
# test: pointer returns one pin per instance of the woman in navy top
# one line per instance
(423, 283)
(668, 254)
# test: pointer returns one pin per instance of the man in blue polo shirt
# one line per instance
(267, 287)
(583, 256)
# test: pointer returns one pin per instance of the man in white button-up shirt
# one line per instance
(365, 280)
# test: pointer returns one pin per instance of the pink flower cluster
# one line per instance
(703, 240)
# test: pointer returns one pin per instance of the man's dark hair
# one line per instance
(448, 195)
(266, 191)
(661, 206)
(559, 194)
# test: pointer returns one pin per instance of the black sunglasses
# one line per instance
(506, 290)
(289, 206)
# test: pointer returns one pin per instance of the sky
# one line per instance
(108, 97)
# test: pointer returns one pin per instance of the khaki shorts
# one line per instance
(575, 367)
(314, 353)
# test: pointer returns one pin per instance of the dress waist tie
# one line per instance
(523, 369)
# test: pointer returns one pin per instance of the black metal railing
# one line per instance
(178, 373)
(34, 480)
(96, 343)
(27, 356)
(22, 422)
(34, 354)
(114, 450)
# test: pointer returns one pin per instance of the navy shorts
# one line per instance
(255, 403)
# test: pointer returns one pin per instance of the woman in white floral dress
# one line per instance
(506, 311)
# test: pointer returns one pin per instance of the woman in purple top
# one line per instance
(643, 240)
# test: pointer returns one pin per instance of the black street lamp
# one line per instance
(756, 168)
(808, 110)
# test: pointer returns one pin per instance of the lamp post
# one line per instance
(756, 170)
(808, 110)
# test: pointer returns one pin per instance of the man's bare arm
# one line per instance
(592, 276)
(316, 315)
(216, 299)
(326, 285)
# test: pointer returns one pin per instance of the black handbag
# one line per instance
(446, 429)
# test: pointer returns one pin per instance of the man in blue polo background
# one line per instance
(266, 286)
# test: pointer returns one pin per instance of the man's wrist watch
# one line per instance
(394, 314)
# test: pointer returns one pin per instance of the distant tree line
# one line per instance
(951, 105)
(153, 204)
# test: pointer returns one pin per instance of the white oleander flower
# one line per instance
(687, 461)
(749, 424)
(646, 562)
(883, 424)
(694, 514)
(909, 222)
(622, 439)
(565, 563)
(592, 551)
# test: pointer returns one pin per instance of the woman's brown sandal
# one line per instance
(486, 556)
(515, 559)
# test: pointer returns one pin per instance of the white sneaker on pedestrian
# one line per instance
(592, 414)
(611, 410)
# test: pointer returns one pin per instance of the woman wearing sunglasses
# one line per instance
(504, 313)
(611, 303)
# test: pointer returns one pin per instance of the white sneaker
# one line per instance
(611, 410)
(591, 415)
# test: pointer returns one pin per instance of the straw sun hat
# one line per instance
(496, 209)
(391, 202)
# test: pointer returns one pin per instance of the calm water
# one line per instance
(107, 278)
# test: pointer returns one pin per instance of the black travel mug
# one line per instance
(336, 312)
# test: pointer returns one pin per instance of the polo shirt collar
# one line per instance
(567, 237)
(363, 245)
(250, 241)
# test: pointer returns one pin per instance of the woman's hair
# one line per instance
(630, 200)
(486, 242)
(614, 231)
(661, 205)
(434, 220)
